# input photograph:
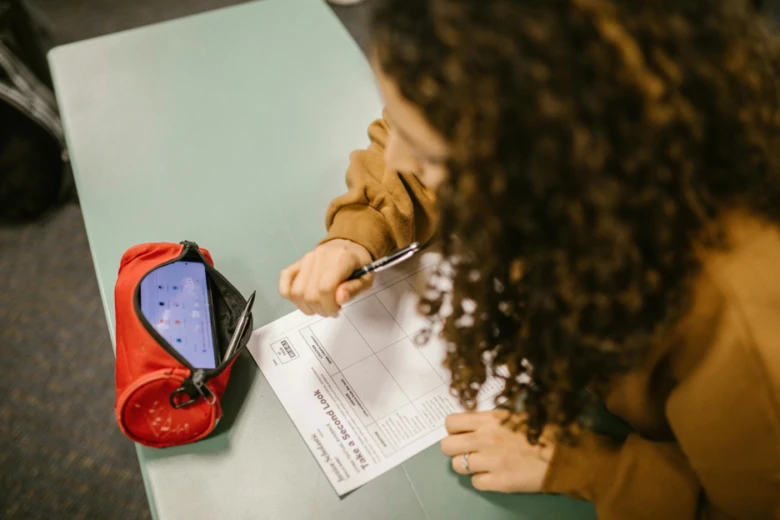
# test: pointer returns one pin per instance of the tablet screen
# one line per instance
(175, 300)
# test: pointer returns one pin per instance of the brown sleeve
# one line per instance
(383, 210)
(634, 479)
(726, 463)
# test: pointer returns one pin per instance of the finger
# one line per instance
(349, 290)
(326, 288)
(306, 309)
(477, 463)
(299, 284)
(286, 279)
(467, 422)
(322, 301)
(453, 445)
(486, 481)
(311, 294)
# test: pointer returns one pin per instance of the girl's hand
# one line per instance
(317, 282)
(499, 458)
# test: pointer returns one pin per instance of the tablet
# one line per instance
(176, 301)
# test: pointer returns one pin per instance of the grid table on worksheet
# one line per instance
(399, 389)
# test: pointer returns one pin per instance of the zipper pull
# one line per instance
(199, 382)
(191, 387)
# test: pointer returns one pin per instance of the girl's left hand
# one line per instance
(499, 458)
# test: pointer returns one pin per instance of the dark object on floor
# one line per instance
(34, 171)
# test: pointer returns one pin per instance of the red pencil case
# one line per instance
(161, 399)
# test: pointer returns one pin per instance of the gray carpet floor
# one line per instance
(61, 453)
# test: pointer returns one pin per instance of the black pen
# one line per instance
(386, 262)
(243, 320)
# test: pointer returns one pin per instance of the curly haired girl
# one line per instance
(604, 177)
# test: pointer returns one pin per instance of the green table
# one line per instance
(233, 129)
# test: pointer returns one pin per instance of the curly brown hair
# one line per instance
(595, 144)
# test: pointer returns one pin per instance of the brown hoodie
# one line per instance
(705, 405)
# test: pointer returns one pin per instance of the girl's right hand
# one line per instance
(317, 282)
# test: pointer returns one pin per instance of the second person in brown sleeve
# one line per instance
(604, 178)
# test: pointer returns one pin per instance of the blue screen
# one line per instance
(175, 301)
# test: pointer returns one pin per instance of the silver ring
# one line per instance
(464, 461)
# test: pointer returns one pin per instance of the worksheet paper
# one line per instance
(360, 390)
